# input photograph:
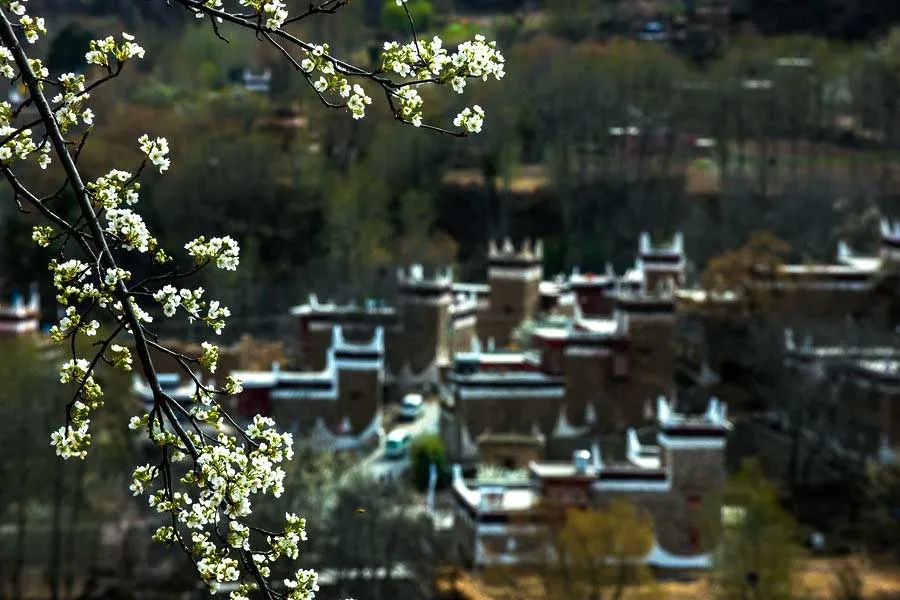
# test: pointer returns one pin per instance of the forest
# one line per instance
(592, 139)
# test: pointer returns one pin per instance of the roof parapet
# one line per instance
(415, 275)
(529, 249)
(890, 230)
(646, 246)
(716, 414)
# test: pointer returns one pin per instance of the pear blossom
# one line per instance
(223, 251)
(156, 151)
(208, 504)
(471, 119)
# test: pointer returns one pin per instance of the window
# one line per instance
(620, 366)
(694, 539)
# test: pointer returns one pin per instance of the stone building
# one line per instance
(578, 378)
(724, 338)
(522, 363)
(858, 286)
(860, 414)
(675, 481)
(338, 407)
(593, 370)
(432, 316)
(514, 279)
(525, 363)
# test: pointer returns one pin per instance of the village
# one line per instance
(575, 391)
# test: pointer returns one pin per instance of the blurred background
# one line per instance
(726, 120)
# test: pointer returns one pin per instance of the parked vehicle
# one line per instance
(411, 407)
(397, 444)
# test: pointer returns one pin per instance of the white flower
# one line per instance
(358, 102)
(470, 119)
(209, 357)
(100, 51)
(120, 357)
(70, 442)
(42, 235)
(233, 385)
(44, 158)
(129, 229)
(410, 105)
(224, 251)
(170, 299)
(156, 151)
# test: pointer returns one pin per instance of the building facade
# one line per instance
(20, 315)
(676, 481)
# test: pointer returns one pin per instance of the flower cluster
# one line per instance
(19, 147)
(19, 144)
(101, 51)
(223, 483)
(71, 442)
(70, 323)
(191, 301)
(209, 357)
(429, 62)
(32, 27)
(304, 585)
(129, 229)
(273, 11)
(42, 235)
(233, 385)
(78, 371)
(156, 151)
(68, 277)
(470, 119)
(171, 298)
(358, 102)
(114, 189)
(223, 251)
(73, 439)
(71, 101)
(318, 61)
(120, 357)
(410, 105)
(6, 64)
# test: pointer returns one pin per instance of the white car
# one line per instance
(411, 407)
(397, 444)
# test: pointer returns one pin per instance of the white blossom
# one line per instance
(156, 151)
(209, 357)
(223, 251)
(101, 51)
(470, 119)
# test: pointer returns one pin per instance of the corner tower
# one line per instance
(514, 277)
(663, 265)
(423, 307)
